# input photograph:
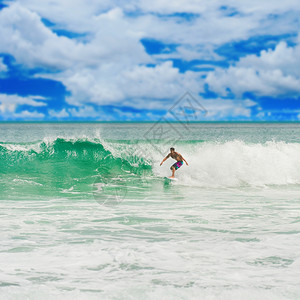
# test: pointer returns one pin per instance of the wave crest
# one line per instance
(236, 163)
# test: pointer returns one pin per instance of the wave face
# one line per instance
(67, 166)
(77, 166)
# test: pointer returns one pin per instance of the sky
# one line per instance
(112, 60)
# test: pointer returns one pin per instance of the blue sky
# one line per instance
(132, 60)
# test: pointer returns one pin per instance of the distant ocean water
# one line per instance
(87, 214)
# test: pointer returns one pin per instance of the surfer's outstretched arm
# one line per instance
(165, 159)
(184, 160)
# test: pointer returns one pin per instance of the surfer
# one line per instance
(179, 161)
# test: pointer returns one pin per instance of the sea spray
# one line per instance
(69, 164)
(236, 163)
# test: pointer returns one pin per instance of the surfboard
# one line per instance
(171, 179)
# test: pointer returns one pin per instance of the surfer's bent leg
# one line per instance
(173, 171)
(176, 166)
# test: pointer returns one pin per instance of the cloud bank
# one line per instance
(98, 52)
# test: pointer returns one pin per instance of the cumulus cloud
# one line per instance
(58, 114)
(24, 36)
(210, 22)
(33, 44)
(109, 82)
(109, 65)
(196, 6)
(272, 73)
(25, 114)
(3, 66)
(10, 103)
(225, 109)
(109, 69)
(84, 111)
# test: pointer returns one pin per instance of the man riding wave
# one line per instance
(179, 161)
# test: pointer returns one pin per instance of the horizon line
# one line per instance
(133, 121)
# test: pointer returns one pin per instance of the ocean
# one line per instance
(86, 212)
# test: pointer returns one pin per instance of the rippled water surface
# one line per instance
(85, 211)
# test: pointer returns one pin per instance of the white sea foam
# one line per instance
(49, 140)
(209, 246)
(236, 163)
(188, 240)
(24, 181)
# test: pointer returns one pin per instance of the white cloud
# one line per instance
(84, 112)
(110, 66)
(196, 6)
(225, 109)
(3, 66)
(26, 115)
(221, 109)
(24, 36)
(9, 103)
(74, 15)
(113, 84)
(126, 115)
(272, 73)
(108, 69)
(110, 31)
(33, 44)
(58, 114)
(282, 58)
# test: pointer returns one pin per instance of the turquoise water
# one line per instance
(86, 212)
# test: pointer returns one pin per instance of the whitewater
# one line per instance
(87, 214)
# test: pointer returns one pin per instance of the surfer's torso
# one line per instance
(176, 156)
